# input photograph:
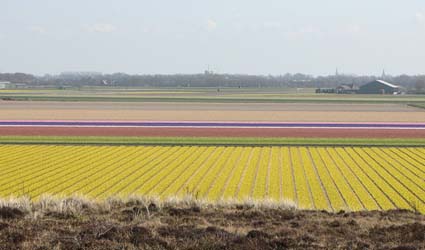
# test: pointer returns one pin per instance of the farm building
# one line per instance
(379, 87)
(346, 89)
(4, 85)
(325, 90)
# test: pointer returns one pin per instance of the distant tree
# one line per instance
(18, 77)
(420, 85)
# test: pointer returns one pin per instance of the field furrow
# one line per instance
(354, 180)
(248, 181)
(405, 161)
(194, 185)
(290, 189)
(260, 184)
(276, 179)
(320, 199)
(217, 187)
(303, 191)
(235, 181)
(389, 186)
(336, 200)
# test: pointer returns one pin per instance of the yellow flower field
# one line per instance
(323, 178)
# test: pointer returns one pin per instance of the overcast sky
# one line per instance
(232, 36)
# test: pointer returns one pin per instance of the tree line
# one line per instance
(208, 79)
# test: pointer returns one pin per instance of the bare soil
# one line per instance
(285, 112)
(214, 132)
(136, 226)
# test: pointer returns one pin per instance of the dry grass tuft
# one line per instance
(76, 204)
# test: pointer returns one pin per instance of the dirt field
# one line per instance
(213, 132)
(210, 112)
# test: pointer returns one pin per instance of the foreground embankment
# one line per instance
(136, 223)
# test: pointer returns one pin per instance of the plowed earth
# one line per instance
(285, 112)
(214, 132)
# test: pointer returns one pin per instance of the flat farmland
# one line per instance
(182, 129)
(180, 111)
(323, 178)
(205, 95)
(210, 112)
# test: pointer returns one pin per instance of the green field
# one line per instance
(225, 95)
(209, 141)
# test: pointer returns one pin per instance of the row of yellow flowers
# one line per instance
(330, 178)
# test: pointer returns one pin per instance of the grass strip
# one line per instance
(210, 141)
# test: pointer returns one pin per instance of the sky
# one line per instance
(275, 37)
